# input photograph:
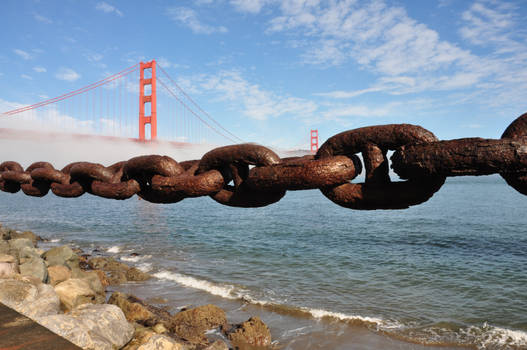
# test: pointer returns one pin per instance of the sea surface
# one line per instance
(445, 274)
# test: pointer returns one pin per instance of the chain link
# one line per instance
(248, 175)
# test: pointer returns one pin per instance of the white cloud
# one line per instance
(27, 77)
(484, 25)
(107, 8)
(39, 69)
(249, 98)
(189, 18)
(42, 19)
(339, 94)
(23, 54)
(251, 6)
(67, 74)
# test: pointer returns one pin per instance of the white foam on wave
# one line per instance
(145, 267)
(490, 337)
(135, 258)
(114, 249)
(319, 313)
(54, 240)
(225, 291)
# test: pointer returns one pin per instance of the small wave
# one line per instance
(319, 313)
(135, 258)
(490, 337)
(54, 240)
(114, 249)
(145, 267)
(225, 291)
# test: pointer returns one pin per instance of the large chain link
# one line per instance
(249, 175)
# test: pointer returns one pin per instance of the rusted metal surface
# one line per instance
(17, 332)
(470, 156)
(249, 175)
(378, 192)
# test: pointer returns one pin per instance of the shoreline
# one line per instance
(118, 289)
(69, 291)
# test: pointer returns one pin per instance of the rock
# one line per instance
(15, 245)
(217, 345)
(5, 233)
(4, 247)
(136, 275)
(160, 342)
(62, 255)
(74, 292)
(103, 278)
(136, 310)
(6, 258)
(107, 264)
(35, 267)
(8, 265)
(253, 332)
(29, 296)
(116, 271)
(116, 277)
(192, 324)
(159, 328)
(133, 309)
(57, 274)
(141, 336)
(27, 234)
(91, 277)
(28, 253)
(92, 327)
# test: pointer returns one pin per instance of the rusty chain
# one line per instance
(248, 175)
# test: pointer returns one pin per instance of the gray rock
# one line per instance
(91, 277)
(28, 253)
(74, 292)
(29, 297)
(16, 245)
(4, 247)
(26, 234)
(35, 267)
(160, 342)
(92, 327)
(62, 255)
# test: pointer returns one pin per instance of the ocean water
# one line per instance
(451, 272)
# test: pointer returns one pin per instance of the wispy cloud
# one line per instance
(405, 55)
(42, 19)
(251, 6)
(249, 98)
(189, 18)
(40, 69)
(107, 8)
(23, 54)
(67, 74)
(27, 77)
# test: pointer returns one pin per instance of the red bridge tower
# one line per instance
(144, 99)
(314, 141)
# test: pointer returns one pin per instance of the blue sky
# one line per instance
(269, 71)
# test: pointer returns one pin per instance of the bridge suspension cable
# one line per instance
(199, 108)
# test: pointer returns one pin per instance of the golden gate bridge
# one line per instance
(109, 107)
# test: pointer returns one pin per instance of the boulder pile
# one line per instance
(66, 291)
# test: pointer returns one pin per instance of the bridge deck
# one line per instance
(17, 332)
